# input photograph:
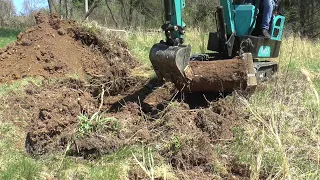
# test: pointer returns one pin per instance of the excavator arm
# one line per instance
(169, 58)
(174, 27)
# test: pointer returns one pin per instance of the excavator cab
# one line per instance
(240, 22)
(235, 47)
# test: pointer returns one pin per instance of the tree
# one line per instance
(302, 16)
(7, 11)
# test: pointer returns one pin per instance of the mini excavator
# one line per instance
(236, 49)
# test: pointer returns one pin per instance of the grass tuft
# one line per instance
(18, 86)
(89, 125)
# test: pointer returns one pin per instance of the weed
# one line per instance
(203, 46)
(175, 144)
(279, 140)
(88, 125)
(147, 167)
(151, 168)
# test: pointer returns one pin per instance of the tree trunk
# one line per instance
(50, 6)
(60, 7)
(93, 6)
(111, 14)
(66, 8)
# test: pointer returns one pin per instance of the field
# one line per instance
(88, 118)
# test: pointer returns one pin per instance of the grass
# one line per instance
(113, 166)
(140, 42)
(7, 36)
(89, 125)
(280, 139)
(14, 163)
(18, 86)
(297, 53)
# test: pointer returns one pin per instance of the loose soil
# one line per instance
(55, 48)
(136, 110)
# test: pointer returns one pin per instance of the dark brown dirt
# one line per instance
(53, 112)
(213, 124)
(143, 112)
(186, 136)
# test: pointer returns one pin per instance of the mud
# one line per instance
(135, 110)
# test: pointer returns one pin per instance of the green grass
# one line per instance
(113, 167)
(18, 86)
(140, 42)
(7, 36)
(25, 168)
(14, 163)
(88, 125)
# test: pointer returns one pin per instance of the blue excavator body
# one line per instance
(236, 36)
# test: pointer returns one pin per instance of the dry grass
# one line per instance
(281, 140)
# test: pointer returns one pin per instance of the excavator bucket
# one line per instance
(169, 62)
(172, 63)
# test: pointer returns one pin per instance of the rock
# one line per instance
(61, 32)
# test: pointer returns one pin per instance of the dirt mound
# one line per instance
(54, 48)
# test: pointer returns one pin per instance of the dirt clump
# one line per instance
(53, 113)
(55, 48)
(159, 97)
(210, 122)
